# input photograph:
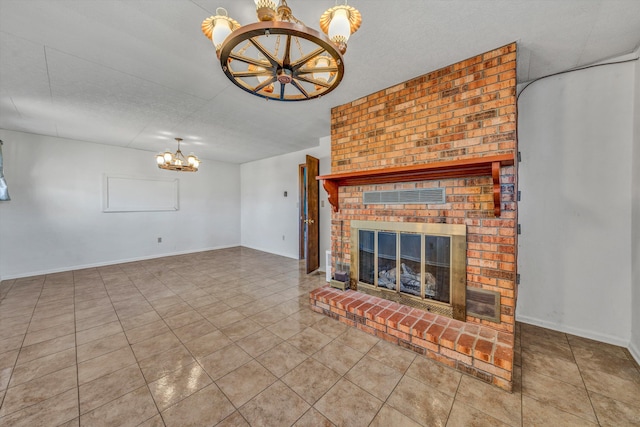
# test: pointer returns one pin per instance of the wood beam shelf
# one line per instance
(481, 166)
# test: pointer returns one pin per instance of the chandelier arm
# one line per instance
(300, 88)
(313, 81)
(266, 72)
(273, 60)
(306, 58)
(264, 84)
(286, 59)
(249, 60)
(317, 70)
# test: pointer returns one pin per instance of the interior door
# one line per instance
(311, 215)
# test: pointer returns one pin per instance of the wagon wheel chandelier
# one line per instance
(279, 57)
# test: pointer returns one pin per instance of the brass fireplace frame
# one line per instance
(458, 284)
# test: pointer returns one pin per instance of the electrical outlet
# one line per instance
(159, 239)
(322, 203)
(283, 237)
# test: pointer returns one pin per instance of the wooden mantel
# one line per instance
(481, 166)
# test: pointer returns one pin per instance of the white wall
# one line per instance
(268, 216)
(634, 347)
(54, 221)
(575, 133)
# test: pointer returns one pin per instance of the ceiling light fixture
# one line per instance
(279, 57)
(177, 161)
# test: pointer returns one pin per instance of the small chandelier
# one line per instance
(279, 57)
(177, 161)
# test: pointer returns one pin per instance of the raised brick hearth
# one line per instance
(462, 112)
(473, 349)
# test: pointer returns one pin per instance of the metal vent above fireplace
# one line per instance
(432, 196)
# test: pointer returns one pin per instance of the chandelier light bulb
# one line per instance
(160, 159)
(218, 27)
(340, 28)
(322, 62)
(168, 156)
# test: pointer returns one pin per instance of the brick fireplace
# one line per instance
(452, 130)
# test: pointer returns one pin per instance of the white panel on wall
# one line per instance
(575, 137)
(139, 194)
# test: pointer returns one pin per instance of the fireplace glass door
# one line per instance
(418, 264)
(414, 264)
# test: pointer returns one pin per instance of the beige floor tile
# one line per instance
(62, 320)
(183, 319)
(244, 383)
(178, 384)
(13, 342)
(237, 331)
(560, 368)
(234, 420)
(147, 331)
(420, 402)
(54, 411)
(5, 376)
(286, 328)
(194, 330)
(221, 362)
(98, 332)
(94, 321)
(435, 374)
(491, 400)
(259, 342)
(207, 344)
(374, 377)
(139, 320)
(338, 357)
(357, 340)
(109, 387)
(535, 414)
(330, 327)
(43, 366)
(205, 407)
(564, 396)
(155, 421)
(311, 380)
(612, 386)
(465, 416)
(155, 345)
(225, 318)
(36, 351)
(48, 334)
(129, 410)
(615, 413)
(102, 346)
(387, 417)
(309, 340)
(277, 405)
(161, 364)
(313, 418)
(281, 358)
(346, 404)
(38, 390)
(94, 368)
(392, 355)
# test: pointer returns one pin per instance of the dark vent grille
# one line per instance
(430, 196)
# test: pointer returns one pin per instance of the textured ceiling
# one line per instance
(137, 73)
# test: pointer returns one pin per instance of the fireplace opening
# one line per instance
(422, 265)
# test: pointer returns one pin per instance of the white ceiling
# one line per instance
(137, 73)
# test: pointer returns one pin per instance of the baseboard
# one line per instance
(635, 352)
(619, 341)
(271, 251)
(113, 262)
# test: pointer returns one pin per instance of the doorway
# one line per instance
(309, 223)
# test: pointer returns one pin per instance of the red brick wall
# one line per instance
(465, 110)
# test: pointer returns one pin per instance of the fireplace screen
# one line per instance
(417, 264)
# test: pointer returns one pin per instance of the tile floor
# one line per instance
(226, 338)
